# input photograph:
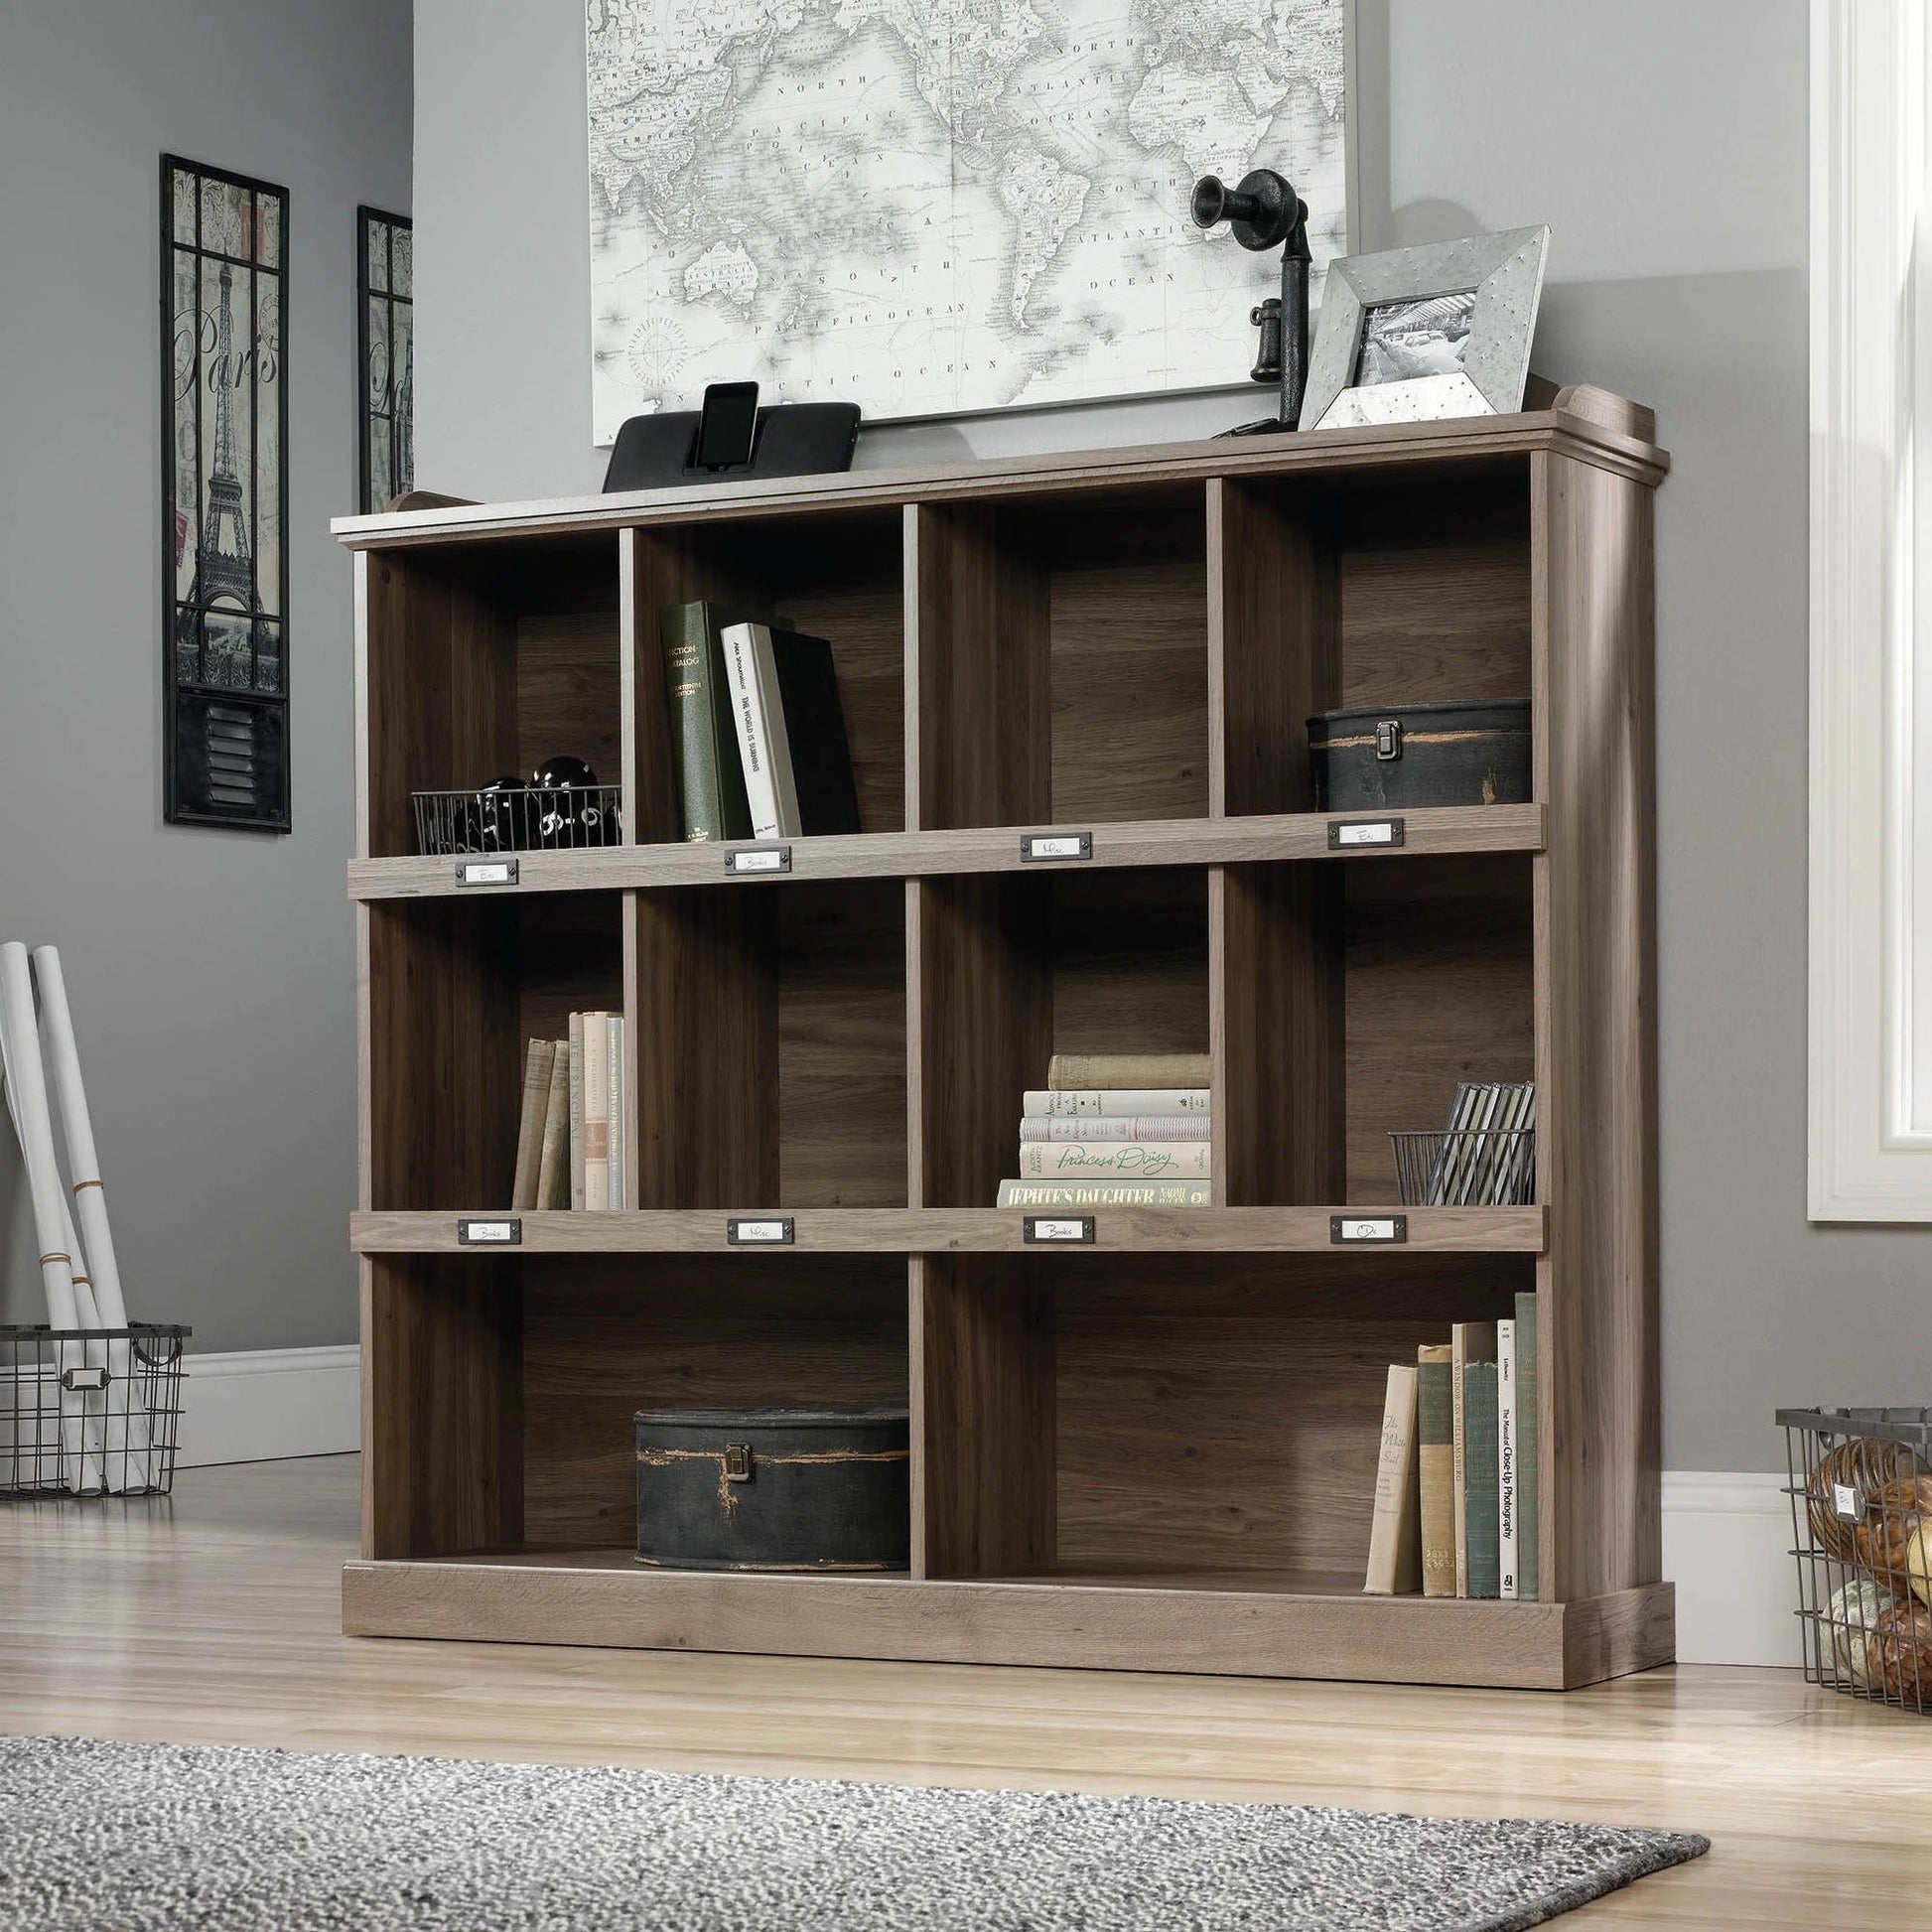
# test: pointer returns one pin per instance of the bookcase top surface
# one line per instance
(1583, 422)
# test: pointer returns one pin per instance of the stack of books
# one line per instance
(759, 748)
(1114, 1130)
(1455, 1488)
(570, 1139)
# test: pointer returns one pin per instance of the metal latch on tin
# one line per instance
(1388, 738)
(738, 1461)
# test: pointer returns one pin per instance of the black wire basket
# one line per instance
(518, 818)
(89, 1412)
(1861, 1489)
(1471, 1166)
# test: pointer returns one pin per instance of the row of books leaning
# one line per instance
(1456, 1483)
(570, 1135)
(759, 747)
(1116, 1129)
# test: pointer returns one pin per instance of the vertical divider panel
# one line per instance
(442, 1405)
(706, 1027)
(1276, 981)
(981, 1337)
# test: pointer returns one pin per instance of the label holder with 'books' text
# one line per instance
(1060, 1229)
(499, 1231)
(758, 860)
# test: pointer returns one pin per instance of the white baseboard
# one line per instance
(259, 1405)
(1726, 1535)
(1728, 1541)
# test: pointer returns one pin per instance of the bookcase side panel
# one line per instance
(980, 618)
(442, 1406)
(1597, 1026)
(1273, 645)
(982, 1341)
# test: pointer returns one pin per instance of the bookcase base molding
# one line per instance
(1151, 1624)
(1153, 1447)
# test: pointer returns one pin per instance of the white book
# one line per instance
(1115, 1160)
(749, 718)
(597, 1112)
(614, 1051)
(1048, 1103)
(1116, 1127)
(777, 733)
(1506, 1453)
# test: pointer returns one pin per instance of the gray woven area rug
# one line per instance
(155, 1837)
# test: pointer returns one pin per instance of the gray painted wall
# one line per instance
(1666, 145)
(212, 973)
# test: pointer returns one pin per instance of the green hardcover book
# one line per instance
(1526, 1449)
(705, 767)
(1435, 1459)
(1480, 1465)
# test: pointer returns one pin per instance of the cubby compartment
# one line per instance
(1166, 1420)
(836, 575)
(456, 988)
(485, 660)
(1359, 994)
(1379, 588)
(516, 1381)
(771, 1045)
(1016, 967)
(1062, 659)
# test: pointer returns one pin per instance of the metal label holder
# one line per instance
(1036, 847)
(1367, 1230)
(759, 1231)
(1364, 834)
(487, 872)
(494, 1231)
(758, 860)
(1059, 1230)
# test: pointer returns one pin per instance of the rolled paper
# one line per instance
(26, 1083)
(76, 1125)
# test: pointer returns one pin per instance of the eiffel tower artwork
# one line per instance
(224, 566)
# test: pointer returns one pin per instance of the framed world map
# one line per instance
(942, 206)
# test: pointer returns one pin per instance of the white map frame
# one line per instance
(671, 313)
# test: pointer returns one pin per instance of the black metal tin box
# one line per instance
(774, 1488)
(1414, 755)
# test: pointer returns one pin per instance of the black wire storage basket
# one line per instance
(1861, 1489)
(89, 1412)
(1470, 1166)
(518, 818)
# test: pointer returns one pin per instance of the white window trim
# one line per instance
(1871, 1114)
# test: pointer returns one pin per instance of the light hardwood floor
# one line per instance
(212, 1618)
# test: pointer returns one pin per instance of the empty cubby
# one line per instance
(835, 575)
(771, 1045)
(1062, 659)
(458, 987)
(483, 661)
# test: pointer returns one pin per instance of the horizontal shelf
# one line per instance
(1207, 1625)
(955, 1230)
(1432, 830)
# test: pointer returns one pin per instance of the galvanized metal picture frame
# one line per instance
(223, 490)
(1412, 334)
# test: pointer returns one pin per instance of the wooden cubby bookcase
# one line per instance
(1157, 1451)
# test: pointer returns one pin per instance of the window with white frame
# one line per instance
(1871, 1046)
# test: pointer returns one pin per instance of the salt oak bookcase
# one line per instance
(1155, 1448)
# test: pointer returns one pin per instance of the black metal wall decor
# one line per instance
(385, 282)
(224, 485)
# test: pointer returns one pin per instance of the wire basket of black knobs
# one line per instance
(1861, 1489)
(561, 807)
(89, 1412)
